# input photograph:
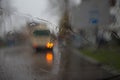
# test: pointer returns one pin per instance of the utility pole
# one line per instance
(65, 27)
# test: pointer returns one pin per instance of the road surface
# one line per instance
(22, 63)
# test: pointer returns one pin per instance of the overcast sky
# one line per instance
(41, 8)
(44, 9)
(36, 8)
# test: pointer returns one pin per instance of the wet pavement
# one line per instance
(76, 67)
(22, 63)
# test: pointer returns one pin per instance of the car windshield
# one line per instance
(41, 33)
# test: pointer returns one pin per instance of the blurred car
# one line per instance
(41, 37)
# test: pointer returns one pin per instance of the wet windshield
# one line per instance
(59, 39)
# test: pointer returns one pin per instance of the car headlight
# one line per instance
(49, 45)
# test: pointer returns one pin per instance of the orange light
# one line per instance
(49, 57)
(49, 45)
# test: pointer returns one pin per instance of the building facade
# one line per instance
(90, 15)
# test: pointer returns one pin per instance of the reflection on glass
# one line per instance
(49, 57)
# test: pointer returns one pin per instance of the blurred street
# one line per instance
(59, 39)
(21, 63)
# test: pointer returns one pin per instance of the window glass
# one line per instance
(41, 33)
